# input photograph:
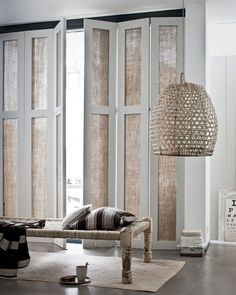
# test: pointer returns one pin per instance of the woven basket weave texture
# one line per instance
(184, 122)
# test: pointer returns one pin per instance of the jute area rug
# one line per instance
(102, 271)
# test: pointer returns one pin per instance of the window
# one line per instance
(74, 118)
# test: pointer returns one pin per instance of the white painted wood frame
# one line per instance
(30, 114)
(24, 114)
(142, 110)
(18, 114)
(56, 87)
(60, 113)
(156, 23)
(109, 110)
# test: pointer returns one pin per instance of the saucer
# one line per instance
(72, 280)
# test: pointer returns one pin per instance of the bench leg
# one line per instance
(126, 250)
(147, 255)
(126, 265)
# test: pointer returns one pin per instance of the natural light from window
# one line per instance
(74, 119)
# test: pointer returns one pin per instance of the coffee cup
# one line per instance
(81, 272)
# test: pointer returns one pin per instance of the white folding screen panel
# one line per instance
(100, 109)
(38, 123)
(45, 119)
(11, 123)
(157, 195)
(133, 117)
(116, 107)
(166, 66)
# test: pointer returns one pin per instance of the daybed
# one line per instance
(125, 236)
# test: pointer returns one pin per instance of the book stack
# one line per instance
(192, 243)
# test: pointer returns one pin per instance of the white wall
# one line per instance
(197, 198)
(21, 11)
(221, 10)
(223, 162)
(221, 84)
(221, 39)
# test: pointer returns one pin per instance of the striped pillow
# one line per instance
(105, 218)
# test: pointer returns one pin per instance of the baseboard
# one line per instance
(222, 242)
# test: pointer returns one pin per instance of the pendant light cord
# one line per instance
(183, 32)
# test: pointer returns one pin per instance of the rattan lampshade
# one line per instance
(184, 122)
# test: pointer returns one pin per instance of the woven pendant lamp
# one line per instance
(184, 122)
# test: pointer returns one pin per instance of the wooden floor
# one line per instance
(213, 274)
